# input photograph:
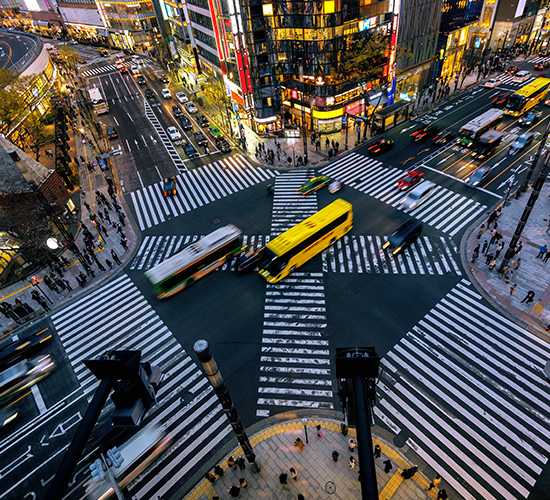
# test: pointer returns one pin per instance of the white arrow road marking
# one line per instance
(510, 180)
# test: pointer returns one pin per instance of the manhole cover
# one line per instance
(186, 398)
(327, 332)
(330, 487)
(216, 221)
(399, 441)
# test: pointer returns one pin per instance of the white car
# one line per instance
(181, 97)
(166, 94)
(135, 70)
(418, 195)
(137, 59)
(521, 76)
(493, 82)
(173, 133)
(72, 42)
(191, 107)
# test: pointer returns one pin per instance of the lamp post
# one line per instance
(304, 420)
(304, 125)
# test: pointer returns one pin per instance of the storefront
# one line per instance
(391, 116)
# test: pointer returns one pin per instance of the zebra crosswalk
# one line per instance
(196, 188)
(117, 315)
(429, 255)
(104, 68)
(465, 388)
(445, 210)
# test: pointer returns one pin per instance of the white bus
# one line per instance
(98, 103)
(195, 260)
(474, 129)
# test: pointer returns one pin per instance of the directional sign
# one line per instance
(101, 163)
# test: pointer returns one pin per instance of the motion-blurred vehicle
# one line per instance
(177, 111)
(181, 97)
(164, 79)
(23, 375)
(7, 416)
(380, 146)
(511, 70)
(82, 61)
(493, 82)
(189, 149)
(23, 348)
(522, 141)
(200, 138)
(487, 144)
(444, 137)
(185, 123)
(223, 144)
(203, 121)
(403, 236)
(314, 184)
(335, 186)
(149, 93)
(173, 133)
(521, 76)
(424, 133)
(529, 119)
(247, 262)
(123, 69)
(189, 106)
(500, 100)
(409, 180)
(140, 79)
(135, 70)
(543, 53)
(169, 186)
(478, 176)
(111, 133)
(418, 195)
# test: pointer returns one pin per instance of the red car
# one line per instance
(409, 180)
(511, 70)
(424, 133)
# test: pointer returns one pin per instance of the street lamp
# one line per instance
(304, 420)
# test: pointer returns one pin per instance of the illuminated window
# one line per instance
(329, 6)
(267, 9)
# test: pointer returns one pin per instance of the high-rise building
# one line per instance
(83, 19)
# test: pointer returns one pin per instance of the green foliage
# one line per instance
(12, 86)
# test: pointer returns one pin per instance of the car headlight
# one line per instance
(386, 245)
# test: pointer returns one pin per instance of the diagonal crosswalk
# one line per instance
(104, 68)
(445, 210)
(465, 388)
(118, 316)
(196, 188)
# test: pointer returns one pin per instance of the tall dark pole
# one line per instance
(304, 125)
(537, 186)
(531, 168)
(210, 367)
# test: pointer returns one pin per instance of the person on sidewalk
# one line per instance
(210, 477)
(442, 495)
(351, 463)
(516, 264)
(240, 463)
(529, 297)
(234, 491)
(352, 444)
(218, 471)
(499, 249)
(320, 431)
(484, 249)
(377, 451)
(513, 289)
(387, 466)
(475, 255)
(243, 483)
(481, 231)
(489, 259)
(435, 482)
(299, 444)
(335, 456)
(231, 462)
(408, 473)
(543, 249)
(293, 474)
(546, 256)
(283, 480)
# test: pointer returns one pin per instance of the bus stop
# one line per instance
(392, 115)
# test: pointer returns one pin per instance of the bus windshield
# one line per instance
(515, 102)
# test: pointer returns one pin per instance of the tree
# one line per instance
(35, 135)
(12, 101)
(69, 55)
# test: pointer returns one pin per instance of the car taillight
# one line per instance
(165, 193)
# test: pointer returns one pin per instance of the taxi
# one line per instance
(314, 184)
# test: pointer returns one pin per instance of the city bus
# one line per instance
(195, 260)
(527, 97)
(475, 128)
(98, 103)
(288, 251)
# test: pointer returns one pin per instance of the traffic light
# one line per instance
(34, 280)
(441, 54)
(98, 474)
(115, 457)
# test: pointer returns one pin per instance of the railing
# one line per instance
(30, 56)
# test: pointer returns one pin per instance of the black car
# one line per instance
(223, 144)
(21, 349)
(444, 137)
(511, 70)
(111, 133)
(164, 79)
(500, 100)
(128, 52)
(169, 186)
(247, 262)
(200, 138)
(380, 146)
(140, 79)
(185, 123)
(539, 67)
(177, 111)
(189, 149)
(404, 235)
(203, 121)
(424, 133)
(149, 93)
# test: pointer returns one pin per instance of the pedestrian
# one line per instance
(377, 451)
(210, 477)
(107, 216)
(335, 456)
(283, 480)
(320, 431)
(513, 289)
(442, 495)
(493, 237)
(546, 256)
(499, 249)
(485, 245)
(518, 248)
(59, 282)
(475, 254)
(299, 444)
(240, 463)
(293, 474)
(516, 264)
(351, 463)
(301, 497)
(489, 259)
(218, 471)
(44, 305)
(435, 482)
(408, 473)
(352, 444)
(124, 244)
(115, 257)
(231, 462)
(109, 264)
(492, 264)
(104, 231)
(87, 207)
(121, 219)
(529, 297)
(243, 483)
(234, 491)
(100, 215)
(100, 266)
(67, 285)
(327, 143)
(481, 231)
(491, 218)
(387, 465)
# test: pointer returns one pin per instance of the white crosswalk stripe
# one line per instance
(445, 210)
(105, 68)
(196, 188)
(118, 316)
(465, 386)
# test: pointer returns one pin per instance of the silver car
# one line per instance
(418, 195)
(20, 377)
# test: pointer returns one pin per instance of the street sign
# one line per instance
(94, 164)
(101, 163)
(105, 156)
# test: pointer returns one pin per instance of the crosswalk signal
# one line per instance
(115, 457)
(34, 280)
(98, 474)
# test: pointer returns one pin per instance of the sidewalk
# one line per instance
(533, 272)
(317, 474)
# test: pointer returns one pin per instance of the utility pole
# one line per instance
(537, 186)
(304, 125)
(531, 169)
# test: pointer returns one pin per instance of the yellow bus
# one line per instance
(288, 251)
(527, 97)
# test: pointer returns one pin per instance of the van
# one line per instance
(404, 235)
(487, 143)
(521, 76)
